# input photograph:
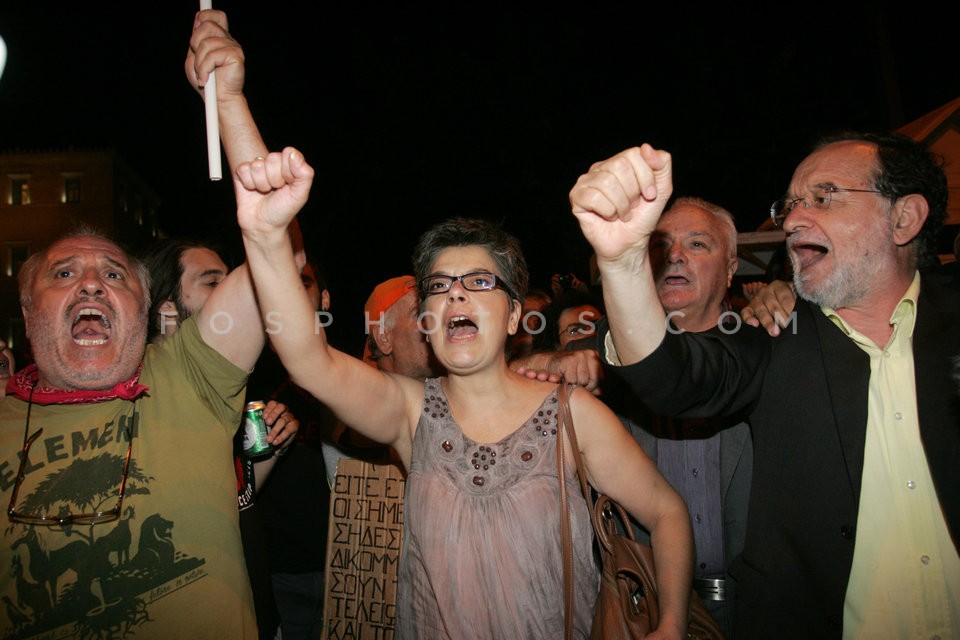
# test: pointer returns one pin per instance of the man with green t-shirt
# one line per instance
(116, 457)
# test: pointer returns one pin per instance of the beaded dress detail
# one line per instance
(482, 555)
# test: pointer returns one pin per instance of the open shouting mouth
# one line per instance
(675, 280)
(807, 254)
(90, 328)
(461, 326)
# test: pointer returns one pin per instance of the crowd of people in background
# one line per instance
(792, 455)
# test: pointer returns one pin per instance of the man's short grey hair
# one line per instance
(31, 266)
(725, 216)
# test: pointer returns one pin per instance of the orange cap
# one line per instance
(386, 294)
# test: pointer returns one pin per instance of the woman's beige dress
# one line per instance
(481, 551)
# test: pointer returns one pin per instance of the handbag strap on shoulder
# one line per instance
(566, 428)
(566, 536)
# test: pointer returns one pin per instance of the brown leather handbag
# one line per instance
(627, 606)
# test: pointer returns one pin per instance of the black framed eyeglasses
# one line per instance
(820, 197)
(476, 281)
(64, 519)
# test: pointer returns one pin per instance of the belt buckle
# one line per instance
(710, 588)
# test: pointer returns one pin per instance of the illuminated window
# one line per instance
(14, 255)
(71, 189)
(20, 191)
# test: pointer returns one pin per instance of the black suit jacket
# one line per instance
(805, 394)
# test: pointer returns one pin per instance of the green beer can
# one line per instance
(255, 430)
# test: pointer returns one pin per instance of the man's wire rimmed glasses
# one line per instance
(820, 197)
(475, 281)
(63, 519)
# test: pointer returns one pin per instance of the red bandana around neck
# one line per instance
(21, 384)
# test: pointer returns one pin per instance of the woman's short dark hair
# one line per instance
(465, 232)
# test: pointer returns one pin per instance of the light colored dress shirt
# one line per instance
(905, 579)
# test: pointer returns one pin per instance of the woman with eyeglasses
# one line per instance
(481, 551)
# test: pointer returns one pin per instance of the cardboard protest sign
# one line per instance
(363, 551)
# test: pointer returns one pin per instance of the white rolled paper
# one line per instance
(213, 120)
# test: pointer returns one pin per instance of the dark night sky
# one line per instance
(412, 113)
